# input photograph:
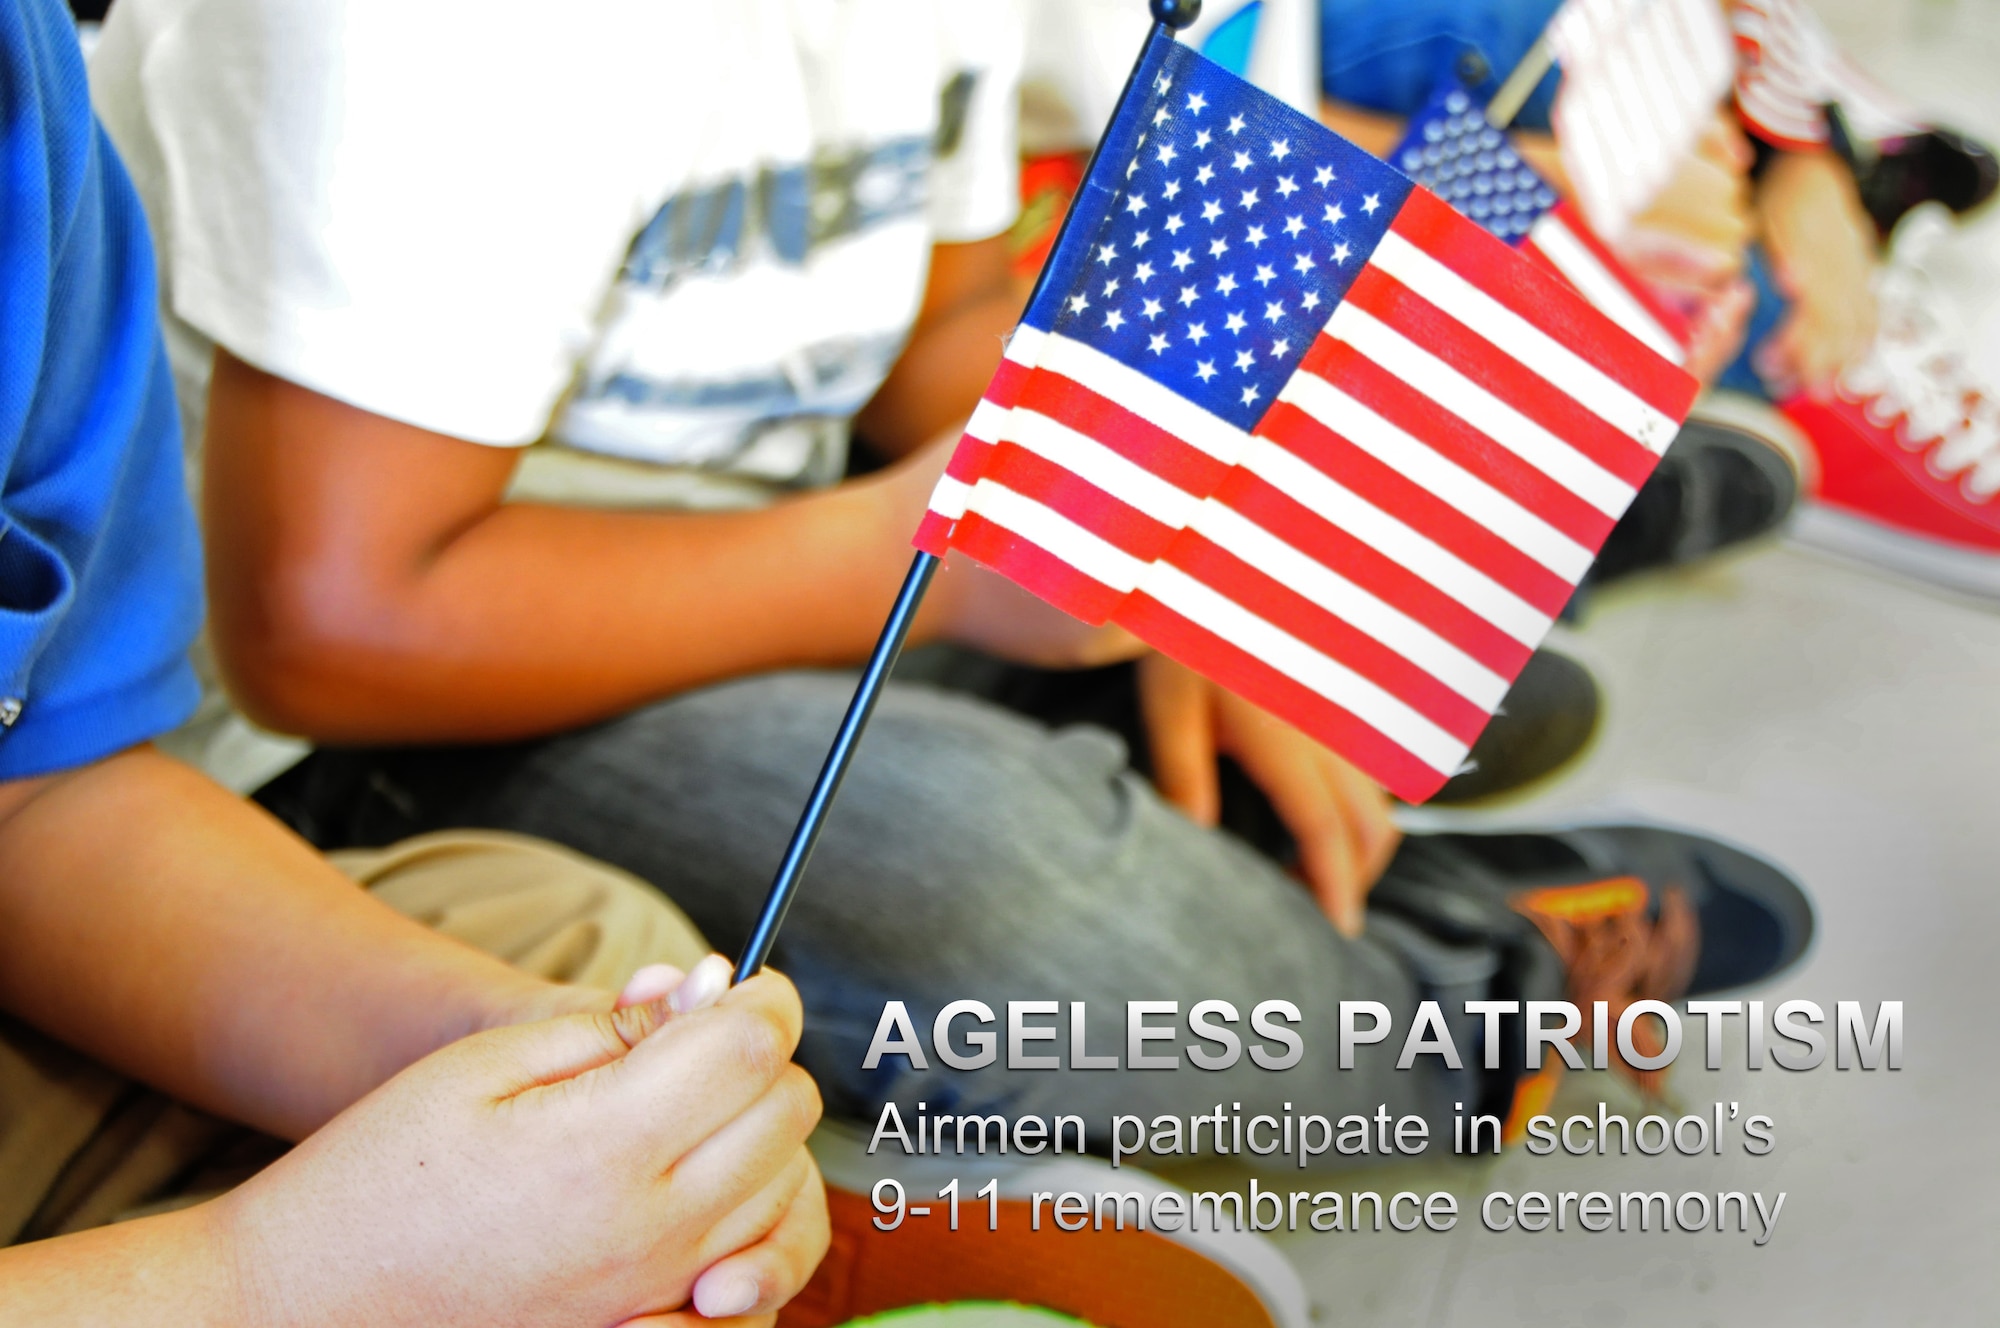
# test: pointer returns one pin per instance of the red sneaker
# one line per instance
(1909, 453)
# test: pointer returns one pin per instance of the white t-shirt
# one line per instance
(676, 242)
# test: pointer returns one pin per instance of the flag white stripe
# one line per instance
(1405, 360)
(1306, 576)
(1119, 476)
(949, 497)
(1602, 395)
(1582, 268)
(1380, 709)
(1089, 554)
(1423, 467)
(988, 422)
(1025, 344)
(1150, 401)
(1393, 539)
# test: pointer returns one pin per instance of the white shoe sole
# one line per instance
(1950, 566)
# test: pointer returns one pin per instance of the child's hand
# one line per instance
(585, 1170)
(1824, 247)
(1338, 816)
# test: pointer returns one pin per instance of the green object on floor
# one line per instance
(969, 1314)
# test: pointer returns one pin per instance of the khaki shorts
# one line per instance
(81, 1145)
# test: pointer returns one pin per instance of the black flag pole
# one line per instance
(1171, 15)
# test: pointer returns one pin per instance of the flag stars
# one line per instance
(1182, 258)
(1265, 276)
(1189, 295)
(1248, 199)
(1274, 311)
(1233, 323)
(1204, 175)
(1136, 204)
(1218, 247)
(1158, 343)
(1197, 332)
(1078, 303)
(1335, 214)
(1106, 252)
(1250, 395)
(1142, 239)
(1143, 273)
(1110, 288)
(1114, 320)
(1161, 116)
(1254, 236)
(1151, 310)
(1166, 154)
(1309, 301)
(1287, 186)
(1293, 225)
(1132, 168)
(1225, 284)
(1241, 161)
(1280, 348)
(1211, 210)
(1323, 176)
(1204, 369)
(1202, 138)
(1174, 224)
(1172, 190)
(1281, 148)
(1235, 124)
(1370, 203)
(1196, 103)
(1341, 253)
(1162, 83)
(1303, 264)
(1245, 359)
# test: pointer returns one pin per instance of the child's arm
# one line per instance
(1824, 246)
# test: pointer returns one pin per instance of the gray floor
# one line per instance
(1847, 724)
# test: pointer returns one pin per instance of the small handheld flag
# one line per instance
(1293, 420)
(1640, 79)
(1451, 149)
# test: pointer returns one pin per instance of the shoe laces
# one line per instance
(1913, 385)
(1613, 950)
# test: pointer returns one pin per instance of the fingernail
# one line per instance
(703, 987)
(725, 1294)
(650, 984)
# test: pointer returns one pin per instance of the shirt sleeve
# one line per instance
(388, 203)
(100, 569)
(976, 182)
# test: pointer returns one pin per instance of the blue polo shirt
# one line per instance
(100, 564)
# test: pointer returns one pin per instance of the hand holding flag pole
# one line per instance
(1169, 16)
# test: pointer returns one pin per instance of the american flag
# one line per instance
(1297, 423)
(1640, 79)
(1451, 150)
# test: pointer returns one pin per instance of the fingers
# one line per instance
(1293, 772)
(763, 1277)
(654, 982)
(1374, 830)
(1176, 705)
(736, 1179)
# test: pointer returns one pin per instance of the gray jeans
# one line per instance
(973, 854)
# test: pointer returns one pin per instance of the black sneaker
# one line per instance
(1732, 475)
(1895, 175)
(1545, 721)
(1615, 913)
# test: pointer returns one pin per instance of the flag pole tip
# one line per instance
(1176, 14)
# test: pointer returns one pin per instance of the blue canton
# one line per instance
(1228, 228)
(1451, 151)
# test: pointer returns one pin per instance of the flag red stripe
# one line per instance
(1415, 506)
(1458, 441)
(1430, 223)
(1034, 568)
(1062, 490)
(1379, 575)
(1131, 436)
(933, 534)
(1491, 367)
(1329, 634)
(1379, 757)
